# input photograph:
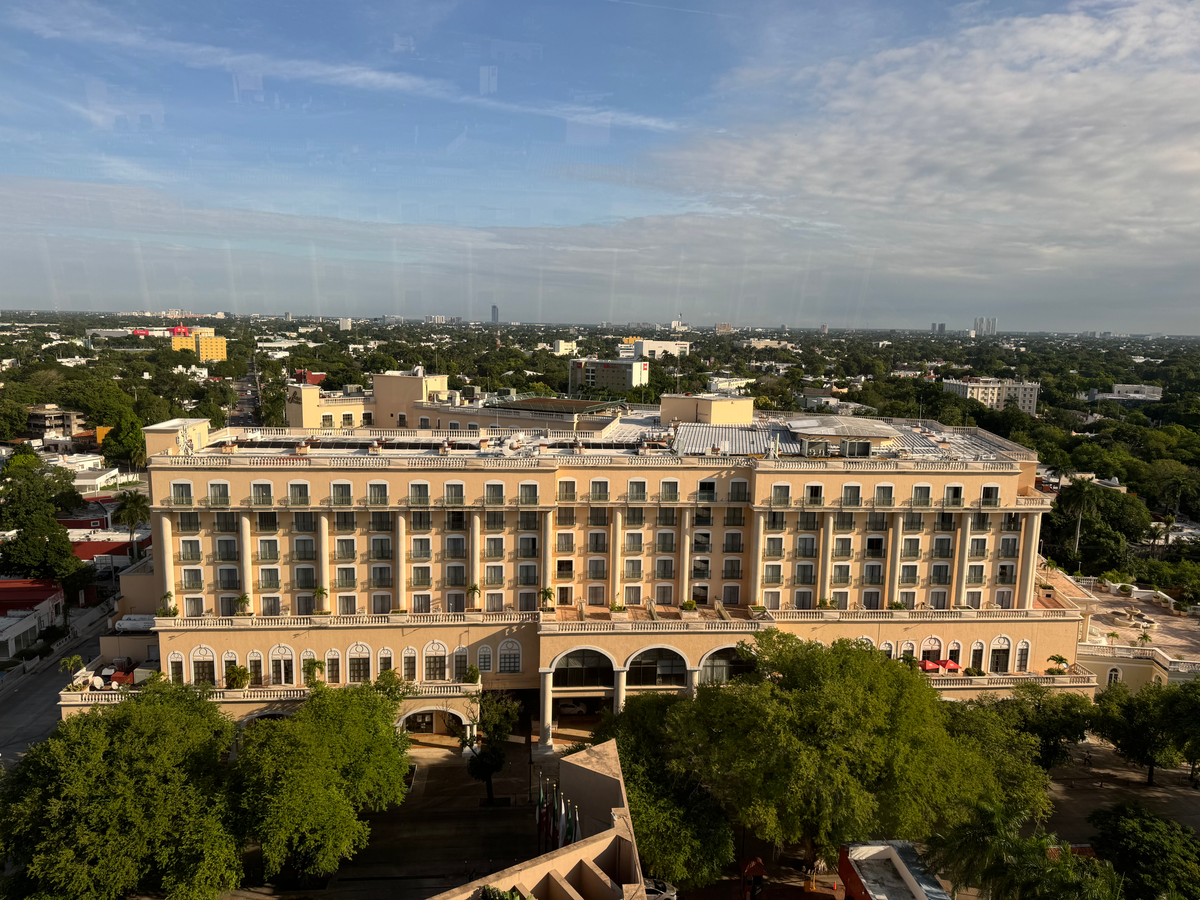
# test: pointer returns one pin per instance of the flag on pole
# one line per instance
(570, 834)
(562, 822)
(537, 810)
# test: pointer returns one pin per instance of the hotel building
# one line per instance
(588, 564)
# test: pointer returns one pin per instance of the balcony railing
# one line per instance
(872, 578)
(954, 502)
(342, 500)
(773, 553)
(380, 553)
(599, 496)
(910, 579)
(706, 496)
(939, 580)
(266, 556)
(772, 579)
(454, 553)
(805, 578)
(851, 501)
(421, 553)
(668, 496)
(1006, 578)
(218, 501)
(734, 521)
(343, 582)
(179, 501)
(268, 584)
(922, 502)
(841, 579)
(381, 581)
(664, 546)
(943, 553)
(701, 574)
(698, 547)
(780, 501)
(188, 556)
(731, 574)
(375, 498)
(299, 500)
(493, 500)
(418, 500)
(989, 501)
(303, 554)
(262, 500)
(729, 547)
(527, 500)
(566, 496)
(528, 552)
(422, 580)
(875, 552)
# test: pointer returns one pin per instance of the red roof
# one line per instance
(89, 550)
(26, 593)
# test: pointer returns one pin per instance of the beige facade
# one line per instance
(995, 393)
(208, 347)
(569, 568)
(707, 408)
(389, 403)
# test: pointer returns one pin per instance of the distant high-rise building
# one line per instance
(824, 329)
(941, 328)
(435, 320)
(287, 316)
(724, 328)
(933, 327)
(991, 325)
(980, 323)
(495, 314)
(343, 324)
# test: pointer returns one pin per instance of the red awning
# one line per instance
(928, 665)
(949, 665)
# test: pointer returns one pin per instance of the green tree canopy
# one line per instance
(125, 797)
(1139, 725)
(1154, 854)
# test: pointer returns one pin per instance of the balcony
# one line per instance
(598, 496)
(910, 579)
(374, 498)
(851, 502)
(188, 529)
(806, 552)
(226, 556)
(228, 584)
(564, 574)
(493, 500)
(262, 500)
(179, 501)
(418, 501)
(977, 554)
(875, 553)
(943, 553)
(305, 583)
(664, 574)
(421, 580)
(1007, 552)
(840, 579)
(701, 574)
(494, 580)
(910, 554)
(742, 496)
(454, 553)
(780, 500)
(975, 579)
(298, 500)
(733, 547)
(953, 502)
(267, 556)
(381, 581)
(304, 527)
(218, 502)
(636, 495)
(884, 502)
(346, 555)
(939, 580)
(773, 553)
(806, 578)
(772, 579)
(454, 500)
(526, 552)
(1006, 578)
(843, 553)
(303, 554)
(527, 579)
(341, 500)
(731, 574)
(268, 584)
(989, 502)
(566, 496)
(922, 502)
(664, 546)
(188, 556)
(493, 553)
(634, 548)
(421, 553)
(380, 553)
(343, 581)
(597, 573)
(873, 578)
(702, 521)
(706, 496)
(734, 520)
(669, 495)
(701, 547)
(192, 584)
(456, 579)
(527, 500)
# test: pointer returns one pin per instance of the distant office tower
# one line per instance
(824, 328)
(495, 314)
(933, 327)
(941, 328)
(980, 324)
(724, 328)
(991, 325)
(344, 324)
(287, 317)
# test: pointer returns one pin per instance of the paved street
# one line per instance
(29, 711)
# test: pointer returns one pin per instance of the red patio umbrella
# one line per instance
(949, 665)
(928, 665)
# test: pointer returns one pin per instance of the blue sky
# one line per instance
(861, 164)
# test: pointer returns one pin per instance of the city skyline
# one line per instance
(868, 168)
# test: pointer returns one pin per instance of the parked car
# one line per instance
(571, 708)
(657, 889)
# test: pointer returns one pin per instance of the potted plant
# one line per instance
(1126, 589)
(311, 667)
(1145, 639)
(319, 594)
(71, 665)
(823, 603)
(167, 609)
(618, 613)
(472, 596)
(899, 610)
(242, 603)
(236, 680)
(687, 610)
(758, 610)
(547, 596)
(1060, 664)
(471, 676)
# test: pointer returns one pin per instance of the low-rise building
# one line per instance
(996, 393)
(659, 349)
(563, 348)
(1127, 393)
(47, 418)
(28, 607)
(607, 374)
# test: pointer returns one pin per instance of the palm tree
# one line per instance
(1077, 499)
(132, 510)
(547, 595)
(473, 593)
(974, 853)
(1059, 660)
(1156, 533)
(319, 595)
(138, 458)
(1144, 638)
(1115, 635)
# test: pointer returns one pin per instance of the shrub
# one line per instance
(973, 672)
(688, 605)
(472, 676)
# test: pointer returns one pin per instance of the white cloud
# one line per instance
(1055, 142)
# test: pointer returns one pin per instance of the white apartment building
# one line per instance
(995, 393)
(659, 349)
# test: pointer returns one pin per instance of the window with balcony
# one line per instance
(377, 494)
(564, 568)
(327, 420)
(773, 574)
(381, 548)
(1011, 522)
(527, 575)
(635, 517)
(922, 495)
(421, 576)
(876, 521)
(739, 492)
(776, 521)
(189, 551)
(873, 574)
(266, 523)
(566, 492)
(298, 495)
(304, 522)
(669, 492)
(633, 569)
(734, 517)
(700, 569)
(974, 574)
(908, 574)
(225, 522)
(598, 516)
(773, 548)
(781, 495)
(494, 520)
(940, 574)
(665, 543)
(841, 574)
(1006, 574)
(702, 542)
(493, 576)
(981, 522)
(597, 543)
(851, 495)
(381, 576)
(564, 542)
(341, 495)
(344, 521)
(493, 494)
(806, 547)
(843, 521)
(528, 520)
(453, 495)
(990, 497)
(942, 548)
(805, 574)
(456, 576)
(910, 548)
(875, 548)
(664, 568)
(218, 495)
(420, 520)
(189, 523)
(346, 578)
(418, 494)
(943, 522)
(599, 491)
(1008, 548)
(978, 548)
(344, 549)
(181, 495)
(527, 494)
(702, 517)
(884, 495)
(668, 518)
(731, 594)
(268, 579)
(841, 548)
(732, 569)
(913, 522)
(261, 495)
(636, 492)
(493, 548)
(228, 580)
(954, 495)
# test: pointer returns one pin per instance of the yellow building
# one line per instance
(207, 347)
(590, 566)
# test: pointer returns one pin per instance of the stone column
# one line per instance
(165, 556)
(547, 575)
(247, 560)
(893, 550)
(960, 568)
(1031, 526)
(693, 680)
(756, 558)
(619, 689)
(474, 551)
(323, 557)
(400, 602)
(825, 575)
(685, 558)
(547, 736)
(618, 564)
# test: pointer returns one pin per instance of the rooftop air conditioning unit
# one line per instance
(814, 449)
(856, 449)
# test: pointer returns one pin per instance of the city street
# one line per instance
(29, 711)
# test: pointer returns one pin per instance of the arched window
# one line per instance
(333, 667)
(435, 661)
(584, 668)
(510, 658)
(886, 649)
(908, 649)
(408, 664)
(204, 666)
(254, 664)
(866, 642)
(931, 648)
(1022, 657)
(282, 665)
(1114, 675)
(1001, 655)
(175, 667)
(229, 659)
(977, 655)
(658, 666)
(724, 664)
(385, 660)
(358, 663)
(955, 652)
(483, 659)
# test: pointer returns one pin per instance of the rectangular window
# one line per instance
(380, 521)
(494, 520)
(494, 602)
(595, 595)
(731, 594)
(420, 520)
(564, 516)
(267, 523)
(409, 665)
(385, 662)
(635, 517)
(662, 594)
(281, 671)
(359, 669)
(493, 548)
(528, 520)
(527, 601)
(510, 661)
(633, 569)
(189, 523)
(937, 599)
(177, 671)
(344, 521)
(460, 665)
(776, 521)
(422, 603)
(333, 671)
